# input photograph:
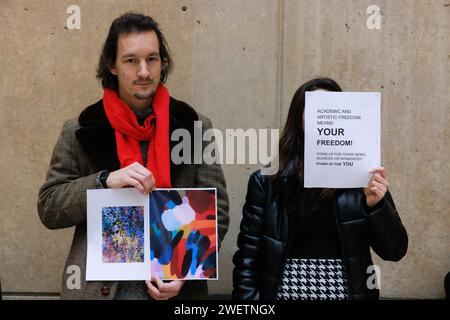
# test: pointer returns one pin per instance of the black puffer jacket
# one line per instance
(265, 235)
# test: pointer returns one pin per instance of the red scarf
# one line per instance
(129, 133)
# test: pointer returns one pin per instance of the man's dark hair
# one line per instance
(130, 22)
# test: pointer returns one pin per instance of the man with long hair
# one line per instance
(121, 141)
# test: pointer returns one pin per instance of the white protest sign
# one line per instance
(342, 138)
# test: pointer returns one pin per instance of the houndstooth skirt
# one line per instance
(313, 279)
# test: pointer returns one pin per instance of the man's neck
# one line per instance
(142, 113)
(144, 110)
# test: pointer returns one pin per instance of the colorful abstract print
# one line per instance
(123, 234)
(183, 234)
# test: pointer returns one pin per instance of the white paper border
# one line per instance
(95, 268)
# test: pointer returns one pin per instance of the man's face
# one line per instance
(137, 67)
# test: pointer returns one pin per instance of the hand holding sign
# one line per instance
(377, 186)
(159, 290)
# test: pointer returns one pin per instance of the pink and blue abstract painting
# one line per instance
(183, 234)
(123, 234)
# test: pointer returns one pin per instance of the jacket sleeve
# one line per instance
(62, 198)
(388, 236)
(246, 273)
(211, 175)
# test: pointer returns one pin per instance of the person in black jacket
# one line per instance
(297, 243)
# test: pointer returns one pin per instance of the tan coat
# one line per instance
(85, 147)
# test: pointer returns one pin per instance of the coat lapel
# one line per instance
(182, 116)
(97, 138)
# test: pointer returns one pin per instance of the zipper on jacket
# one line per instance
(334, 205)
(286, 253)
(288, 243)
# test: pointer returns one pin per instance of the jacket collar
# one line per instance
(181, 116)
(97, 137)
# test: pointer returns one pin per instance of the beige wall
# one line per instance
(239, 62)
